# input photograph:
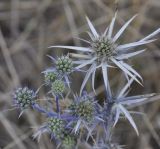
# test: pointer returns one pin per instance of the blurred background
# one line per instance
(28, 27)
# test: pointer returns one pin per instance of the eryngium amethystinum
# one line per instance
(84, 114)
(104, 51)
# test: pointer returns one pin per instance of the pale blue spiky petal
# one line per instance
(110, 31)
(133, 101)
(106, 80)
(128, 55)
(131, 70)
(128, 116)
(83, 49)
(120, 65)
(52, 58)
(105, 32)
(119, 33)
(93, 81)
(77, 126)
(92, 28)
(151, 35)
(125, 88)
(82, 40)
(116, 116)
(86, 63)
(133, 44)
(89, 72)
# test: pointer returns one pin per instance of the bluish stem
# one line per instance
(57, 104)
(38, 108)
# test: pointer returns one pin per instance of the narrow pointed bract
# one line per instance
(110, 31)
(90, 71)
(128, 55)
(123, 28)
(93, 30)
(129, 117)
(83, 49)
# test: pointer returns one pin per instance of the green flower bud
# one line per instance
(50, 77)
(58, 87)
(64, 64)
(57, 127)
(68, 142)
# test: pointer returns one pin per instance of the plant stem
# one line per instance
(57, 104)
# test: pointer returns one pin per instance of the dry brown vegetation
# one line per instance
(28, 27)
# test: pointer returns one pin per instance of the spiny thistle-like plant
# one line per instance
(104, 50)
(84, 117)
(84, 111)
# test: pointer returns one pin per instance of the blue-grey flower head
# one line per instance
(56, 127)
(117, 105)
(68, 142)
(64, 65)
(50, 77)
(24, 97)
(104, 50)
(83, 109)
(58, 87)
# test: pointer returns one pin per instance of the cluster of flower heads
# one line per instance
(84, 119)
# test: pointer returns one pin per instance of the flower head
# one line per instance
(103, 48)
(118, 105)
(56, 126)
(84, 111)
(50, 77)
(104, 51)
(68, 142)
(58, 87)
(64, 65)
(24, 98)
